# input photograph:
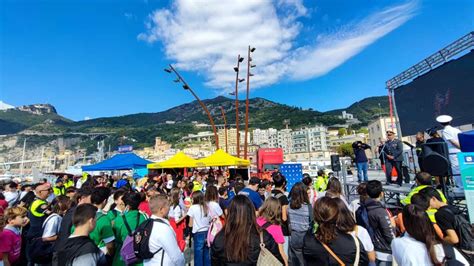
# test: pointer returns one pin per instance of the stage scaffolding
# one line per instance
(440, 57)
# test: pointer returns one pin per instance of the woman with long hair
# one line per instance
(211, 194)
(177, 217)
(326, 244)
(199, 220)
(312, 193)
(420, 244)
(211, 197)
(300, 217)
(238, 243)
(346, 223)
(269, 218)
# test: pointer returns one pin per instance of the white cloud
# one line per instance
(87, 118)
(207, 36)
(330, 51)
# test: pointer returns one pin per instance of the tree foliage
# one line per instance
(345, 150)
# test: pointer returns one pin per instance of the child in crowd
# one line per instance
(200, 220)
(79, 248)
(380, 222)
(10, 238)
(269, 218)
(177, 216)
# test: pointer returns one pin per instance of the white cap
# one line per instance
(169, 185)
(444, 119)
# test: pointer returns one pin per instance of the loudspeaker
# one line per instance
(335, 163)
(436, 158)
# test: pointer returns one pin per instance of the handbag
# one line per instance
(265, 257)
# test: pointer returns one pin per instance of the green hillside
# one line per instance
(367, 109)
(13, 120)
(142, 128)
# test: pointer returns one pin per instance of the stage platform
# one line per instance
(393, 193)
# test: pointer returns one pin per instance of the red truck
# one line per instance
(267, 160)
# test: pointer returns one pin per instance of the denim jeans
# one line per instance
(362, 171)
(201, 250)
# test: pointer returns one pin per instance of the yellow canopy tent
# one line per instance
(221, 158)
(179, 160)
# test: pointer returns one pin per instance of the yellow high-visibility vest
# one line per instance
(34, 206)
(59, 191)
(321, 184)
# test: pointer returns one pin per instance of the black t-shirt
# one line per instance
(445, 218)
(283, 201)
(343, 246)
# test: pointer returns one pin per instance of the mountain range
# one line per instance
(174, 123)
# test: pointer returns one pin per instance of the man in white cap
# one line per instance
(450, 135)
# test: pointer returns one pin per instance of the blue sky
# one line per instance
(106, 58)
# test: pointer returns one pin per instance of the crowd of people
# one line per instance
(225, 220)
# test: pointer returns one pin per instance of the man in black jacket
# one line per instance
(380, 223)
(361, 160)
(393, 156)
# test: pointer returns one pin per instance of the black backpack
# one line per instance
(465, 234)
(450, 256)
(362, 219)
(141, 243)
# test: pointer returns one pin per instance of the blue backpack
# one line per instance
(362, 219)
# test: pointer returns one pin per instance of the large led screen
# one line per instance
(448, 89)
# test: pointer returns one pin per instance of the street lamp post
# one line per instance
(249, 66)
(237, 81)
(225, 129)
(188, 88)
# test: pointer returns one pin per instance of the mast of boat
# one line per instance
(41, 159)
(23, 157)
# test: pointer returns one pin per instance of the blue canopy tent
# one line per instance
(125, 161)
